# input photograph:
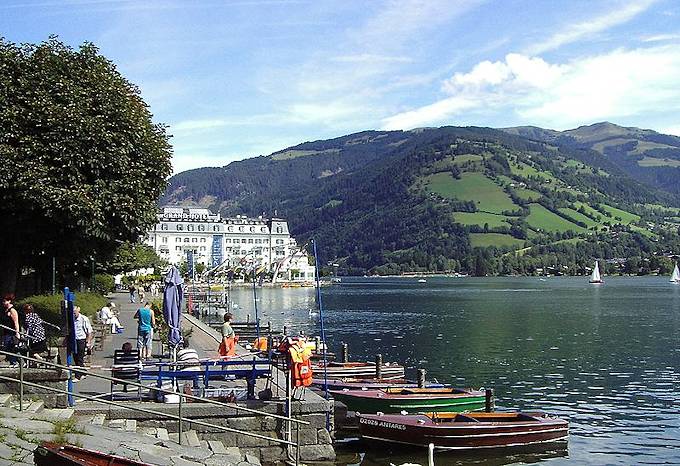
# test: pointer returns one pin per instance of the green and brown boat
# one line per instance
(413, 400)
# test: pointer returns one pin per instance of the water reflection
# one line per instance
(605, 357)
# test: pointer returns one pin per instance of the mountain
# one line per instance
(646, 155)
(478, 200)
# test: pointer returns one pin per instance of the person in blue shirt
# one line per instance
(146, 323)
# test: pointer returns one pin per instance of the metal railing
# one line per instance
(289, 420)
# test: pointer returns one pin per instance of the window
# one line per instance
(236, 240)
(216, 228)
(201, 228)
(240, 229)
(279, 230)
(180, 227)
(194, 240)
(202, 248)
(164, 226)
(258, 241)
(178, 240)
(252, 229)
(264, 229)
(202, 240)
(266, 241)
(250, 241)
(190, 228)
(164, 239)
(186, 240)
(279, 241)
(228, 240)
(178, 248)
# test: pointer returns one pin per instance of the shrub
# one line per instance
(48, 307)
(104, 283)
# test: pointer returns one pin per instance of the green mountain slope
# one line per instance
(646, 155)
(471, 199)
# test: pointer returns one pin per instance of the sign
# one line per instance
(190, 263)
(216, 250)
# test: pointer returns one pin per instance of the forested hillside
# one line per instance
(473, 200)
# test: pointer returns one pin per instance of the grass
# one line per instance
(542, 219)
(524, 170)
(578, 216)
(486, 194)
(527, 194)
(480, 218)
(461, 159)
(483, 240)
(626, 217)
(655, 162)
(293, 154)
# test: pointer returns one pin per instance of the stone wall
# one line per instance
(55, 378)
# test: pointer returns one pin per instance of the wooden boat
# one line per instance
(595, 277)
(469, 431)
(357, 370)
(369, 384)
(411, 400)
(53, 454)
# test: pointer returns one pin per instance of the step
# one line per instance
(130, 425)
(5, 399)
(216, 446)
(98, 419)
(162, 433)
(54, 414)
(35, 406)
(189, 438)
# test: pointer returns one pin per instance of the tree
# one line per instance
(83, 163)
(134, 256)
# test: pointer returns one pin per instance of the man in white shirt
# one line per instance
(83, 329)
(106, 316)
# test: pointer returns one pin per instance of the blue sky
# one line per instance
(241, 78)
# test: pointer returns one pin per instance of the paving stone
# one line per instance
(179, 461)
(252, 459)
(98, 419)
(35, 406)
(54, 414)
(222, 460)
(190, 438)
(12, 439)
(28, 425)
(118, 424)
(6, 452)
(5, 399)
(130, 425)
(162, 434)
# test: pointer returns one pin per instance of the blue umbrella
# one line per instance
(172, 305)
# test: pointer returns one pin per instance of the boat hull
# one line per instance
(420, 430)
(52, 454)
(368, 384)
(373, 401)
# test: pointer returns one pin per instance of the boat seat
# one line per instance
(464, 418)
(525, 417)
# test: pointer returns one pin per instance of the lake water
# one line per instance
(605, 357)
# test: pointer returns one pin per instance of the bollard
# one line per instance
(179, 420)
(21, 384)
(317, 344)
(247, 318)
(421, 378)
(378, 366)
(269, 327)
(344, 351)
(285, 330)
(488, 402)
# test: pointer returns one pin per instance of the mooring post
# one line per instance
(247, 318)
(488, 395)
(179, 420)
(317, 344)
(285, 330)
(344, 351)
(378, 366)
(421, 378)
(21, 384)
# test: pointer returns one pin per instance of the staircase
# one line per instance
(22, 431)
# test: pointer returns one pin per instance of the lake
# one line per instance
(605, 357)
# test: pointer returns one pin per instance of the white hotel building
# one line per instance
(214, 239)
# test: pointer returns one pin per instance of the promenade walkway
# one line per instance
(101, 361)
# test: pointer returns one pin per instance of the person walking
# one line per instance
(146, 321)
(10, 328)
(84, 334)
(37, 339)
(132, 290)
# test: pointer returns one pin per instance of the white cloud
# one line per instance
(619, 84)
(585, 29)
(371, 58)
(674, 130)
(661, 38)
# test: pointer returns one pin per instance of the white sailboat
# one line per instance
(595, 277)
(675, 278)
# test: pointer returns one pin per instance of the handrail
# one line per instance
(149, 411)
(19, 332)
(162, 390)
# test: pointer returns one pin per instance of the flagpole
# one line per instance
(323, 332)
(257, 319)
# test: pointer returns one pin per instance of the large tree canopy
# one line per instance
(83, 164)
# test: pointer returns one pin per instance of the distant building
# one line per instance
(213, 240)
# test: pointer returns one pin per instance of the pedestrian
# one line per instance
(228, 345)
(141, 293)
(84, 334)
(146, 323)
(36, 332)
(154, 289)
(132, 292)
(10, 328)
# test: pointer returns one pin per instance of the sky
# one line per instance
(234, 79)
